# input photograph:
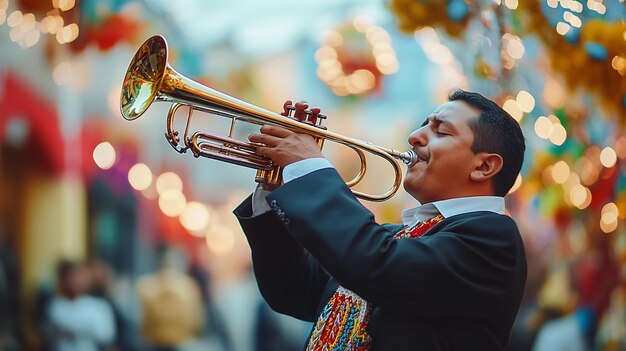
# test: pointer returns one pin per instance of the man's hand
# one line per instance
(283, 146)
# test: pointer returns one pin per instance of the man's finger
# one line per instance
(264, 151)
(276, 131)
(264, 139)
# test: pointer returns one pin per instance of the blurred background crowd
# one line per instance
(111, 240)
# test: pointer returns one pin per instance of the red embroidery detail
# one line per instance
(420, 229)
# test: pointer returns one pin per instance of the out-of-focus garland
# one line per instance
(452, 15)
(592, 58)
(354, 57)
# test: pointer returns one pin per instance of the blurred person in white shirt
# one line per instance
(76, 320)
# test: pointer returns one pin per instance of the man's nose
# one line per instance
(418, 137)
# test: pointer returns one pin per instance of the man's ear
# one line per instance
(487, 166)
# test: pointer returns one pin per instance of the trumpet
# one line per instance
(150, 78)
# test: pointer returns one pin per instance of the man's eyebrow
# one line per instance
(438, 120)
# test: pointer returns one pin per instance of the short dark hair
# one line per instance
(65, 266)
(497, 132)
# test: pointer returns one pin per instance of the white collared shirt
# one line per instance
(452, 207)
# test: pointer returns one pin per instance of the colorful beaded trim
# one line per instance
(341, 325)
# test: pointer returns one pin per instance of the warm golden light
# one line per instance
(514, 47)
(363, 79)
(3, 16)
(580, 196)
(62, 73)
(560, 172)
(31, 38)
(104, 155)
(220, 239)
(439, 53)
(28, 22)
(572, 181)
(513, 109)
(51, 24)
(344, 83)
(608, 222)
(610, 208)
(558, 135)
(334, 39)
(600, 8)
(608, 157)
(389, 67)
(140, 177)
(553, 94)
(195, 218)
(562, 28)
(543, 127)
(375, 34)
(168, 181)
(385, 59)
(66, 5)
(16, 34)
(576, 6)
(588, 173)
(525, 101)
(15, 19)
(361, 23)
(619, 64)
(572, 19)
(172, 202)
(67, 34)
(325, 53)
(150, 193)
(511, 4)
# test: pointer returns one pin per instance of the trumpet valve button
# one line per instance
(321, 118)
(313, 115)
(301, 111)
(288, 108)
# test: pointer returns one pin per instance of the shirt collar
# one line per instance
(452, 207)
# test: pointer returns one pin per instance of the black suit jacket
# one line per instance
(458, 287)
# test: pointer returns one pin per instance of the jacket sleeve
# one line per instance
(465, 266)
(289, 279)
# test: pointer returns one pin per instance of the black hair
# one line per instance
(497, 132)
(65, 266)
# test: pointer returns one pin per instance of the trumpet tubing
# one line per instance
(150, 78)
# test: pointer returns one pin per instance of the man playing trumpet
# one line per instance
(451, 277)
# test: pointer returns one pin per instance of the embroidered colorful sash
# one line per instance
(341, 325)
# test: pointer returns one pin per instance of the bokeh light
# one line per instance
(104, 155)
(513, 109)
(220, 239)
(172, 202)
(608, 157)
(195, 218)
(140, 176)
(558, 135)
(525, 101)
(560, 172)
(168, 181)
